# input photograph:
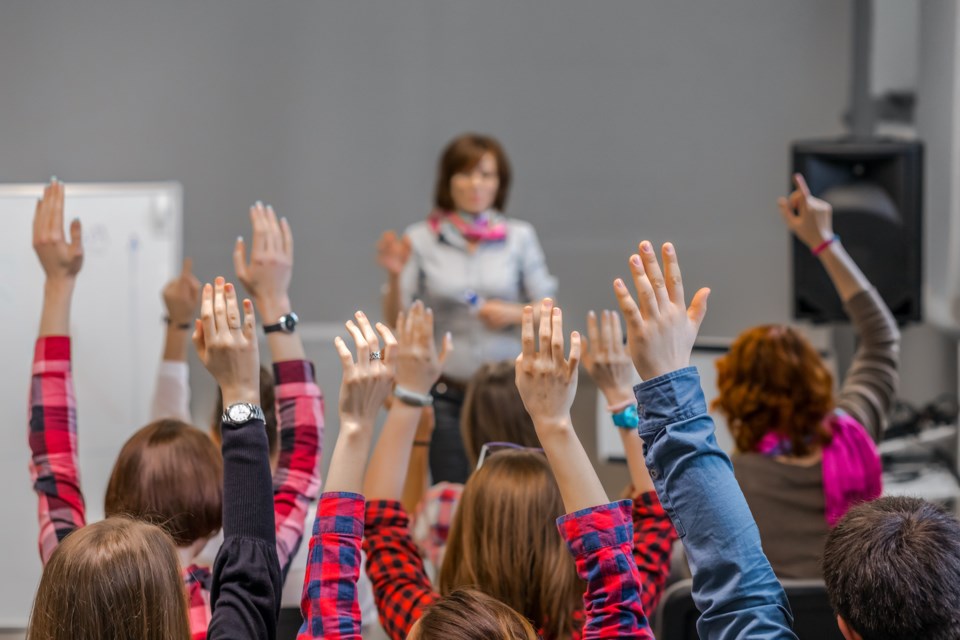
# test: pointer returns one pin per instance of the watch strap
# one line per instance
(286, 324)
(256, 413)
(412, 398)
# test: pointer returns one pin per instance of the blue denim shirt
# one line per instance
(734, 586)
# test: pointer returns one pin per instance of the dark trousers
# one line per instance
(448, 459)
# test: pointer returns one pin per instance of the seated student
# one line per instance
(168, 472)
(501, 529)
(892, 569)
(734, 586)
(120, 579)
(293, 406)
(804, 457)
(598, 534)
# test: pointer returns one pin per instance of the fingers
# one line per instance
(654, 275)
(287, 236)
(373, 341)
(249, 321)
(274, 234)
(187, 270)
(617, 332)
(593, 332)
(401, 325)
(76, 236)
(546, 307)
(446, 347)
(698, 307)
(415, 323)
(346, 358)
(801, 183)
(219, 306)
(234, 323)
(206, 312)
(671, 266)
(628, 306)
(574, 360)
(527, 339)
(56, 207)
(258, 220)
(428, 327)
(786, 211)
(389, 344)
(363, 349)
(556, 338)
(646, 299)
(240, 258)
(199, 343)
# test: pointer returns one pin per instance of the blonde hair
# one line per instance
(114, 580)
(504, 542)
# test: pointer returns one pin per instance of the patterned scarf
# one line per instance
(851, 465)
(488, 226)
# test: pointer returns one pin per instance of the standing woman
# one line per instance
(476, 269)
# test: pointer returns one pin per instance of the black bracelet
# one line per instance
(182, 326)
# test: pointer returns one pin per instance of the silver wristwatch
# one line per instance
(241, 412)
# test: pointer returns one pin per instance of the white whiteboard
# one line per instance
(132, 243)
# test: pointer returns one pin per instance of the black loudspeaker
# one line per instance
(875, 188)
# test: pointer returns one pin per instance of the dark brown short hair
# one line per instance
(493, 410)
(268, 402)
(773, 379)
(117, 578)
(892, 570)
(171, 474)
(463, 153)
(468, 614)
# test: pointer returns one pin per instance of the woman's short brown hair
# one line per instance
(117, 578)
(171, 474)
(504, 542)
(463, 153)
(468, 614)
(493, 410)
(772, 379)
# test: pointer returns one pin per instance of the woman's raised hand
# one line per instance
(266, 276)
(393, 252)
(368, 380)
(181, 295)
(60, 259)
(661, 329)
(606, 359)
(809, 218)
(419, 365)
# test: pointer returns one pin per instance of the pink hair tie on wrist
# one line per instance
(820, 248)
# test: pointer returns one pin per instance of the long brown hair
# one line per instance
(463, 153)
(468, 614)
(171, 474)
(504, 542)
(772, 379)
(116, 579)
(493, 410)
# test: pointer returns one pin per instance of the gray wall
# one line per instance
(663, 119)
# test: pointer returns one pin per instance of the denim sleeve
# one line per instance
(734, 587)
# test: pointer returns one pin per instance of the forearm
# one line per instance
(391, 304)
(415, 485)
(283, 346)
(175, 343)
(388, 466)
(633, 450)
(576, 478)
(846, 276)
(57, 298)
(345, 474)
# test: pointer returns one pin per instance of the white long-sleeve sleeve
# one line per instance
(171, 397)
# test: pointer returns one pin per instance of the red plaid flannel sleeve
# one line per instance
(401, 587)
(432, 521)
(653, 538)
(197, 582)
(329, 604)
(296, 481)
(600, 540)
(53, 444)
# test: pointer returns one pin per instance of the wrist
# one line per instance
(271, 308)
(356, 429)
(553, 424)
(828, 243)
(244, 393)
(58, 287)
(618, 396)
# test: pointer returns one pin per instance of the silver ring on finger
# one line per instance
(376, 355)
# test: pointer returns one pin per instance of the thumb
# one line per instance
(240, 259)
(446, 347)
(187, 267)
(698, 307)
(76, 235)
(199, 342)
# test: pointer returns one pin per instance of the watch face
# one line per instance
(290, 321)
(239, 412)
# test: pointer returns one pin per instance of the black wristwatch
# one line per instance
(286, 324)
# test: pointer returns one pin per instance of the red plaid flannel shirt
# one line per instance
(403, 590)
(56, 479)
(329, 604)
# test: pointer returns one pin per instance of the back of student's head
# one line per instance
(504, 541)
(493, 410)
(171, 474)
(468, 614)
(116, 579)
(892, 570)
(773, 379)
(269, 405)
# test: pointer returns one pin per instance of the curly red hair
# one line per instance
(772, 379)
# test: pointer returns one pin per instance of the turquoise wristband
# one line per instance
(628, 418)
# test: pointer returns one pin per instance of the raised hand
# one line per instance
(182, 295)
(661, 330)
(418, 364)
(60, 259)
(809, 218)
(497, 314)
(227, 343)
(266, 276)
(547, 379)
(606, 359)
(393, 252)
(369, 380)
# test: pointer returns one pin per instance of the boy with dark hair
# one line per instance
(892, 569)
